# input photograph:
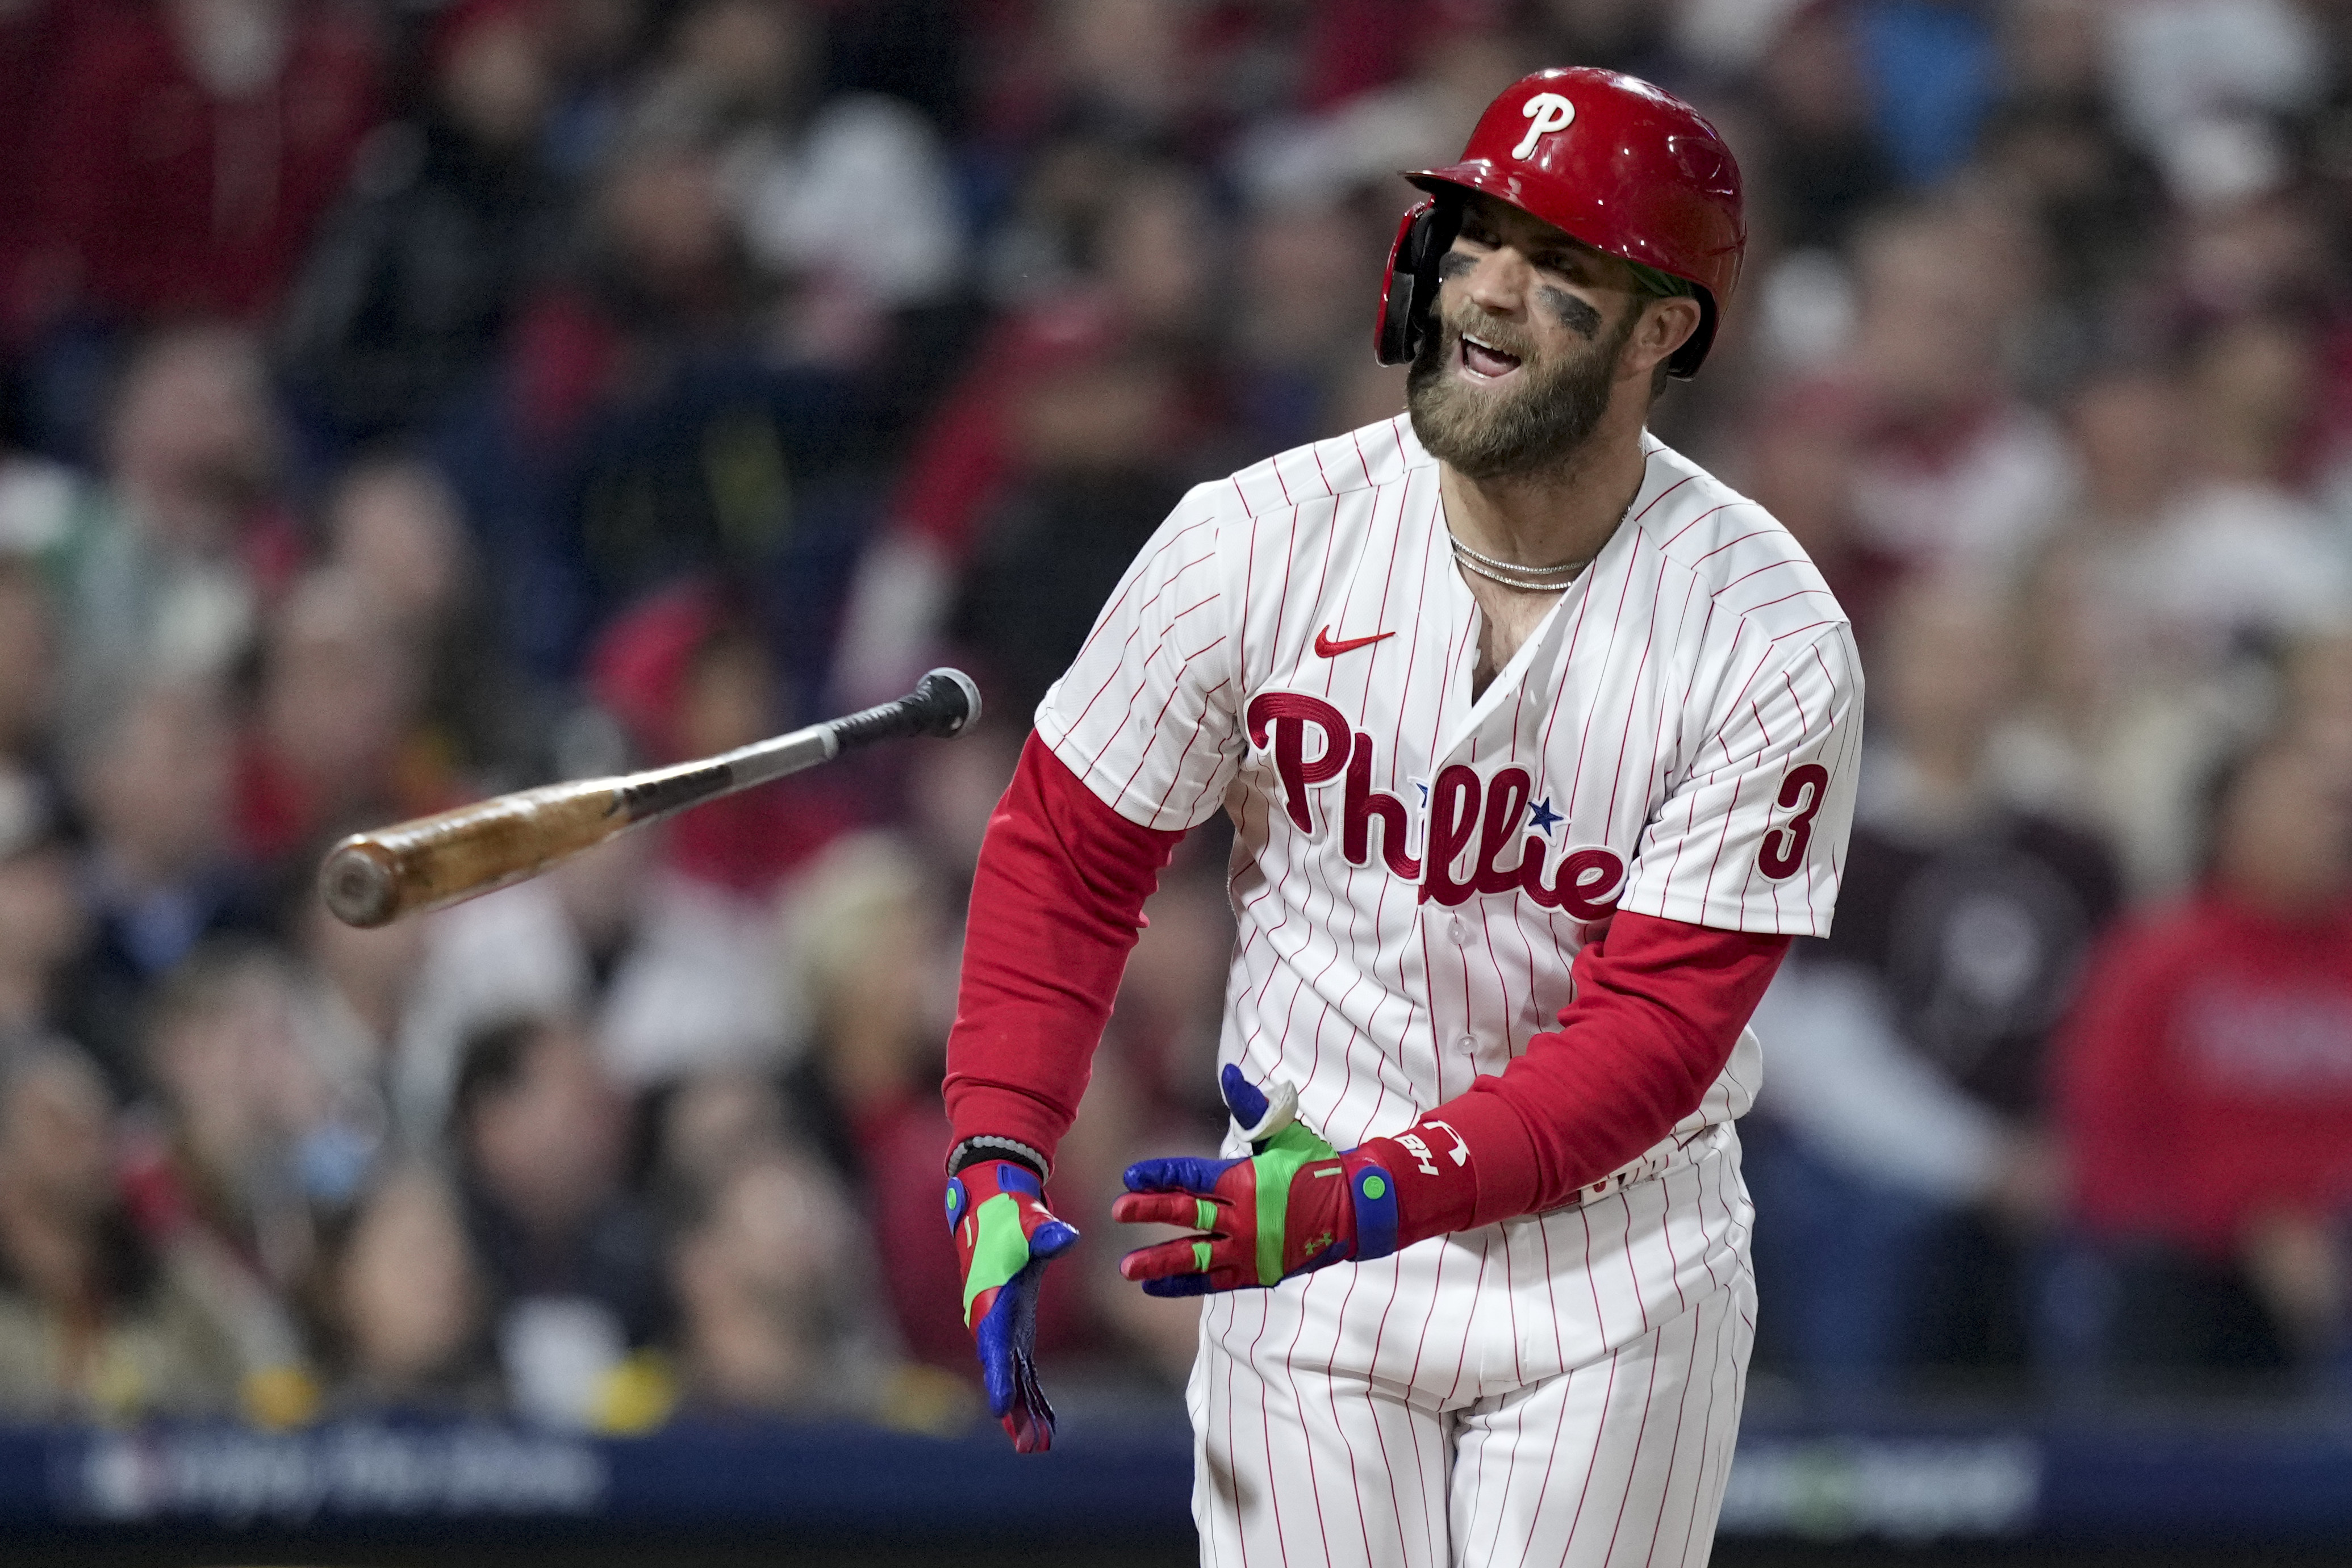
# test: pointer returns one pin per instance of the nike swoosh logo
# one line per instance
(1327, 649)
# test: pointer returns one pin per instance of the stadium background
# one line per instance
(406, 402)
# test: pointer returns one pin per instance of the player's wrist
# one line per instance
(972, 1151)
(1431, 1178)
(1371, 1203)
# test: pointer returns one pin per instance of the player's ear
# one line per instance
(1665, 324)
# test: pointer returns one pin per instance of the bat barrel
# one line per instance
(371, 879)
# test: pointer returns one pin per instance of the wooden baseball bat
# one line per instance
(369, 879)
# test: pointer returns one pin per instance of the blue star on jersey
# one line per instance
(1542, 818)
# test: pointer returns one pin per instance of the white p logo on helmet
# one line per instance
(1549, 112)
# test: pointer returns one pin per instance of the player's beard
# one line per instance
(1534, 426)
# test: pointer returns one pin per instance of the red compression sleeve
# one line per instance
(1056, 902)
(1659, 1006)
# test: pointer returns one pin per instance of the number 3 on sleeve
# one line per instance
(1784, 847)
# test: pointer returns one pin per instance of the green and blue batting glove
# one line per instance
(1294, 1205)
(1005, 1237)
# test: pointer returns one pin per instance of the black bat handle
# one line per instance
(944, 702)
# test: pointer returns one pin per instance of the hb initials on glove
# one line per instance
(1295, 1204)
(1005, 1237)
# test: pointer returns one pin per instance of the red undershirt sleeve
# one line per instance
(1057, 905)
(1659, 1007)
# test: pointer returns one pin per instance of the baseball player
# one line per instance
(1540, 744)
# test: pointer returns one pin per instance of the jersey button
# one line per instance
(1467, 1043)
(1455, 929)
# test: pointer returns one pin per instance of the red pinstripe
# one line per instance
(1632, 1272)
(1137, 573)
(1706, 1240)
(1421, 1345)
(1191, 739)
(1331, 1391)
(1584, 739)
(1759, 571)
(1682, 1412)
(1625, 735)
(1412, 1428)
(1551, 1453)
(1266, 1432)
(1379, 1331)
(1233, 1448)
(1461, 1352)
(1396, 737)
(1511, 1309)
(1653, 777)
(1674, 1264)
(1640, 1435)
(1663, 494)
(1175, 690)
(1486, 1449)
(1702, 516)
(1584, 596)
(1281, 609)
(1290, 1370)
(1608, 1394)
(1706, 1436)
(1784, 598)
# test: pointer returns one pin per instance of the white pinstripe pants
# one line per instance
(1561, 1390)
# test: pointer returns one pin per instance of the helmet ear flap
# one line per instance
(1410, 290)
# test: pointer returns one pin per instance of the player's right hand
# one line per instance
(1005, 1237)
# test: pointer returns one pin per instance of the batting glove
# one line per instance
(1296, 1204)
(1005, 1237)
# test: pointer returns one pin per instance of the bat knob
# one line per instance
(950, 700)
(358, 883)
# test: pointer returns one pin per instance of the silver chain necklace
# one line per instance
(1526, 578)
(1510, 574)
(1569, 568)
(1471, 560)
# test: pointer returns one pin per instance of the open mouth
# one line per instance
(1485, 361)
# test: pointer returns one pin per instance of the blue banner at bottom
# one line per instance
(1132, 1479)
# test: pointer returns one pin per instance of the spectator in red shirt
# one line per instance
(2205, 1083)
(190, 147)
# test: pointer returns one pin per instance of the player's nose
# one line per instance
(1498, 281)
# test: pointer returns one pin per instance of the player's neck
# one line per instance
(1555, 515)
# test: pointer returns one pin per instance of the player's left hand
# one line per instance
(1294, 1205)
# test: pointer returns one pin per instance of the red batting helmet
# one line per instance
(1626, 167)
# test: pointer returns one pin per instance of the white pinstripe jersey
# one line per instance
(1414, 870)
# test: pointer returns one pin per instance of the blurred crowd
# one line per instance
(406, 401)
